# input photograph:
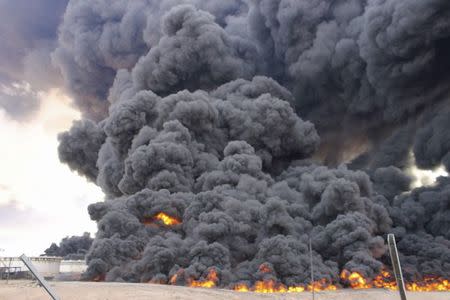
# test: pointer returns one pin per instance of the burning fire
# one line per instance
(322, 285)
(271, 286)
(210, 282)
(265, 268)
(241, 287)
(387, 281)
(173, 279)
(353, 280)
(165, 218)
(429, 284)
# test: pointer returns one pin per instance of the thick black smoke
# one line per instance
(203, 111)
(72, 248)
(98, 39)
(432, 146)
(421, 221)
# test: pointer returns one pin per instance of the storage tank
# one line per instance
(47, 266)
(73, 266)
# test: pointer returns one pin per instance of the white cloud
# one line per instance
(52, 197)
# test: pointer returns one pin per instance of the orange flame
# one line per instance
(322, 285)
(264, 268)
(296, 289)
(210, 282)
(167, 220)
(429, 284)
(174, 278)
(386, 280)
(241, 287)
(271, 286)
(355, 280)
(163, 217)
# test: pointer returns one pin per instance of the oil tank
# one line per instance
(47, 266)
(73, 266)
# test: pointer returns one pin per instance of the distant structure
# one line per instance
(72, 266)
(50, 267)
(13, 267)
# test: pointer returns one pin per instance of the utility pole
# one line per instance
(396, 266)
(38, 276)
(312, 270)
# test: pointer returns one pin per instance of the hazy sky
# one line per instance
(41, 200)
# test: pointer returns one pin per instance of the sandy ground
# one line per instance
(112, 291)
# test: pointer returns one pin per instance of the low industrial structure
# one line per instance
(72, 266)
(48, 267)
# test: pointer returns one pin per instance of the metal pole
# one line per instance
(312, 270)
(9, 270)
(3, 263)
(396, 266)
(38, 276)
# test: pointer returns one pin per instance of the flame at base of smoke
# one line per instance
(348, 279)
(210, 281)
(352, 280)
(271, 286)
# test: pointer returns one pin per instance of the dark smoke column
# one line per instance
(206, 163)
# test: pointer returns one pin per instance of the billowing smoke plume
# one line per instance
(97, 40)
(208, 119)
(72, 248)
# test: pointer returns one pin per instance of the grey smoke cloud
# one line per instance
(28, 32)
(371, 63)
(211, 113)
(71, 248)
(193, 53)
(124, 33)
(79, 147)
(421, 221)
(432, 145)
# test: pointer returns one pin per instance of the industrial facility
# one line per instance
(48, 267)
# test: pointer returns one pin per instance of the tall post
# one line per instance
(312, 270)
(38, 276)
(8, 270)
(396, 266)
(3, 263)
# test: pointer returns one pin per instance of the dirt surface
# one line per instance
(112, 291)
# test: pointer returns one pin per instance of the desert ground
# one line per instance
(111, 291)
